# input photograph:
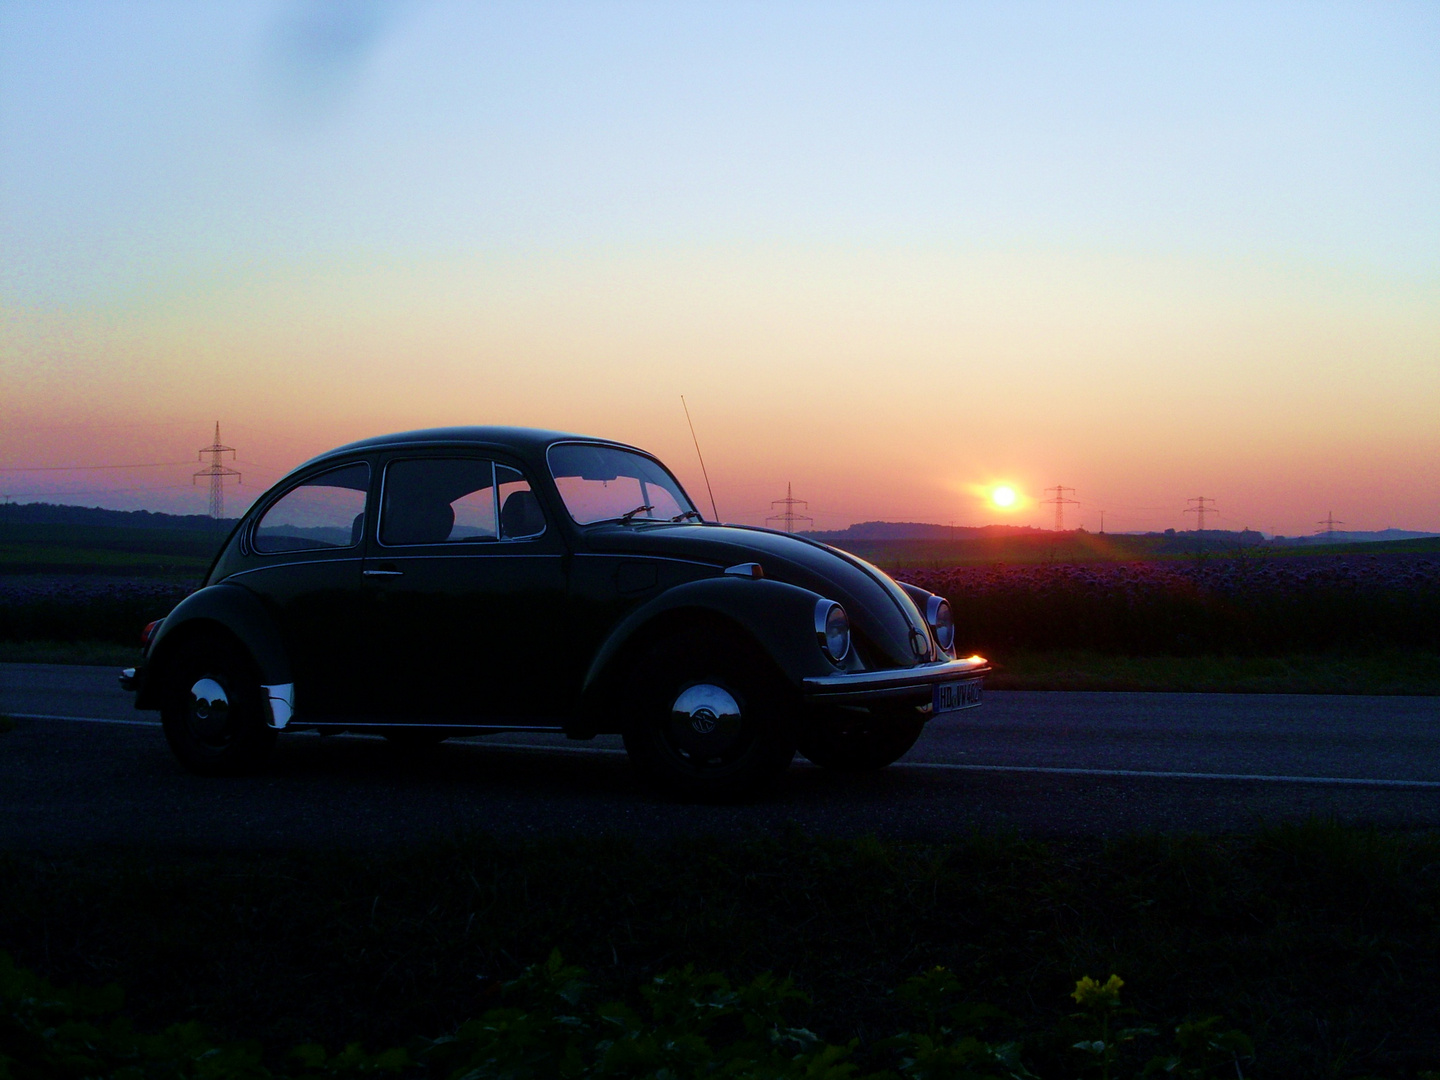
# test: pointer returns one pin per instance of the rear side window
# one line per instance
(325, 511)
(520, 515)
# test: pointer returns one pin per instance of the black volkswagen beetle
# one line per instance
(463, 581)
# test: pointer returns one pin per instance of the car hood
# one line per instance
(881, 613)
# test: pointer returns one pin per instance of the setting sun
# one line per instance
(1003, 496)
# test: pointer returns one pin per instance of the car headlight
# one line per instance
(832, 629)
(942, 621)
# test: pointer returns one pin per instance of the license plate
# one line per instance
(953, 696)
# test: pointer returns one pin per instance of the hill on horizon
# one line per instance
(916, 530)
(43, 513)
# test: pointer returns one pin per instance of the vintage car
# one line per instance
(463, 581)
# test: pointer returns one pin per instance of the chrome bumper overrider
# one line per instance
(891, 685)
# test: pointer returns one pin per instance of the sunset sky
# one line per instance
(895, 254)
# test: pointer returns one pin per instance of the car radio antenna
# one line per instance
(700, 456)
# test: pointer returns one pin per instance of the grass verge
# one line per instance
(1393, 672)
(102, 653)
(1320, 942)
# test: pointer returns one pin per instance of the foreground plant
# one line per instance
(689, 1026)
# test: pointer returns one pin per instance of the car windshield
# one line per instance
(603, 483)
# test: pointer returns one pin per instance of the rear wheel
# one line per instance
(212, 711)
(862, 742)
(707, 718)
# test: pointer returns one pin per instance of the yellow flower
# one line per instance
(1091, 994)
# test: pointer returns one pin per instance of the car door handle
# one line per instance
(382, 573)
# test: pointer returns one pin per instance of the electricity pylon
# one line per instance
(788, 515)
(217, 473)
(1060, 502)
(1329, 524)
(1200, 507)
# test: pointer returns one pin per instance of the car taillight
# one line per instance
(148, 633)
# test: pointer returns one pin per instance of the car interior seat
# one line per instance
(521, 516)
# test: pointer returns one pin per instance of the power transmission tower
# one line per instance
(1329, 524)
(1102, 522)
(1060, 502)
(217, 473)
(788, 515)
(1202, 503)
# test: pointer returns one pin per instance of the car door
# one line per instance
(304, 555)
(467, 587)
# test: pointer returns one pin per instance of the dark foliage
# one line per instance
(1321, 942)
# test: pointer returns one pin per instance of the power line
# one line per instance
(1060, 502)
(217, 473)
(1202, 505)
(1329, 524)
(788, 515)
(89, 468)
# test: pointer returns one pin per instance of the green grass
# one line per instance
(1392, 672)
(1321, 942)
(99, 653)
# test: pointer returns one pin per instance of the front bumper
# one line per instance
(903, 686)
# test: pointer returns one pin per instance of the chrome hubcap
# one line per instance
(705, 720)
(209, 709)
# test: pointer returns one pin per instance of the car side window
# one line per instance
(438, 501)
(520, 513)
(325, 511)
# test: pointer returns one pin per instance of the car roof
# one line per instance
(527, 442)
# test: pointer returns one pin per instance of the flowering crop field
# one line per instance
(85, 607)
(1236, 605)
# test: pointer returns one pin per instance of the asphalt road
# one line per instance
(81, 767)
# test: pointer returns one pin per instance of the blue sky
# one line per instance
(166, 167)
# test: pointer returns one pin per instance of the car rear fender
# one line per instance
(225, 608)
(779, 618)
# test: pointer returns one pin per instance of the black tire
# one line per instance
(712, 755)
(224, 737)
(861, 742)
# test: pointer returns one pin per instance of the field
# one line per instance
(1239, 606)
(1319, 943)
(1075, 612)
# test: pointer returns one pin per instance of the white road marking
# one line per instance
(80, 719)
(1157, 774)
(1048, 770)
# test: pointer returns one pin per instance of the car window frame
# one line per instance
(249, 545)
(470, 547)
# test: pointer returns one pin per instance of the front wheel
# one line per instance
(867, 742)
(212, 710)
(706, 718)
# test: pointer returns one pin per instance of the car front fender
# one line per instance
(780, 618)
(226, 607)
